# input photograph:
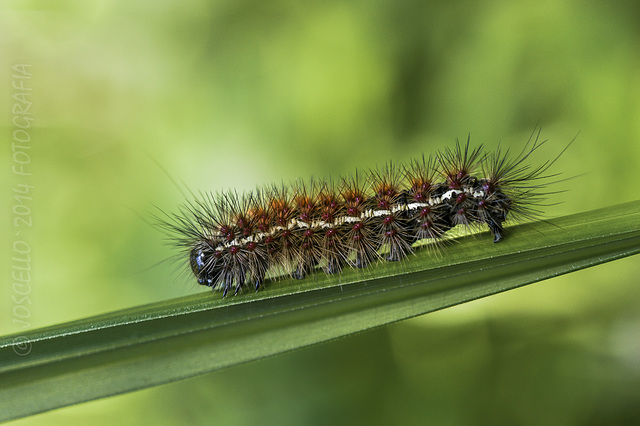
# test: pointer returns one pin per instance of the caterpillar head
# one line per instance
(204, 264)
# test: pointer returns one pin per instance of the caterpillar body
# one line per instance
(235, 239)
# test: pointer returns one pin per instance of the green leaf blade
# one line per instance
(150, 345)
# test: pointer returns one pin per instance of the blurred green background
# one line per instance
(224, 94)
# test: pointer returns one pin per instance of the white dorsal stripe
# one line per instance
(294, 224)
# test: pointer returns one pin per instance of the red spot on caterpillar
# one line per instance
(227, 233)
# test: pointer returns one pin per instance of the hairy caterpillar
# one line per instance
(233, 239)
